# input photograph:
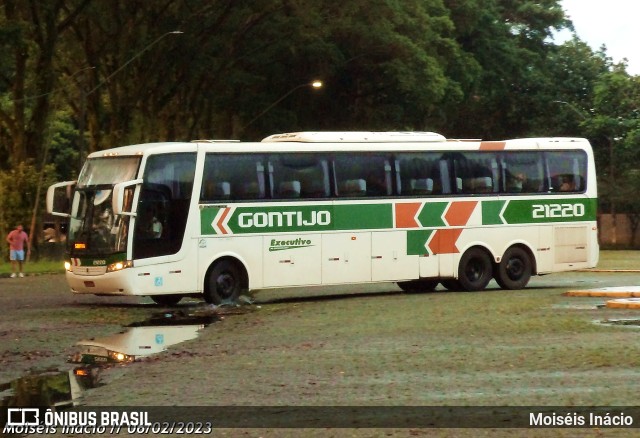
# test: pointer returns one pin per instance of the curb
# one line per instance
(609, 270)
(627, 303)
(615, 292)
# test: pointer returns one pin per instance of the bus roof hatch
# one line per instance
(355, 137)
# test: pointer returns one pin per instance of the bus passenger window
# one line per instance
(567, 170)
(363, 174)
(289, 189)
(523, 171)
(232, 177)
(567, 184)
(419, 174)
(421, 186)
(476, 172)
(294, 175)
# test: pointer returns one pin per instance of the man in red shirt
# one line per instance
(17, 238)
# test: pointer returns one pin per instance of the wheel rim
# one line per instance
(225, 284)
(474, 270)
(515, 268)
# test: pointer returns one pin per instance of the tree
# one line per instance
(30, 33)
(509, 41)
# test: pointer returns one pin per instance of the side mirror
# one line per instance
(59, 198)
(122, 198)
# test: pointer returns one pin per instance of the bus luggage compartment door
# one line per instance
(389, 258)
(346, 258)
(291, 261)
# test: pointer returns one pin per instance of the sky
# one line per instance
(613, 23)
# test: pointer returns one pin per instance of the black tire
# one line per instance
(166, 300)
(418, 286)
(451, 284)
(514, 270)
(224, 284)
(475, 270)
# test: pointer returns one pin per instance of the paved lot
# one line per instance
(349, 346)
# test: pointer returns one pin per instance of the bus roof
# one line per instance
(346, 141)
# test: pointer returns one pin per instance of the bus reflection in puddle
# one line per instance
(142, 339)
(63, 389)
(56, 389)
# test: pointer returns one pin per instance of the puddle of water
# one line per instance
(143, 339)
(578, 306)
(620, 322)
(59, 389)
(62, 389)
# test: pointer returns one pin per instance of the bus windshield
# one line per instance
(93, 229)
(108, 170)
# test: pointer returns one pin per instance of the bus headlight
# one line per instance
(116, 356)
(67, 266)
(119, 266)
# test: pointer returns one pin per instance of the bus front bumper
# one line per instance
(111, 283)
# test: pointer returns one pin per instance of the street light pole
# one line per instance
(85, 94)
(315, 84)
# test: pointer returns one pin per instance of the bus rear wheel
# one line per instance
(475, 270)
(418, 286)
(514, 270)
(224, 283)
(166, 300)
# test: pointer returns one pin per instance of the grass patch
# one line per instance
(618, 260)
(39, 267)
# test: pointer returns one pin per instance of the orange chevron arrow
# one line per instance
(406, 214)
(220, 222)
(459, 213)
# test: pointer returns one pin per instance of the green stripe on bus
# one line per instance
(363, 216)
(534, 211)
(343, 217)
(431, 214)
(417, 241)
(491, 212)
(297, 218)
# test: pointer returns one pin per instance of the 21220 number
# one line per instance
(541, 211)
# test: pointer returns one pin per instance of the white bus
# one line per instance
(216, 218)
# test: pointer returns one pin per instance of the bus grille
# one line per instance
(89, 270)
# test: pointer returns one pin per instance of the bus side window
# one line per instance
(232, 177)
(476, 172)
(298, 175)
(420, 174)
(523, 171)
(567, 170)
(363, 174)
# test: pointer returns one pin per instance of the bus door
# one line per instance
(162, 241)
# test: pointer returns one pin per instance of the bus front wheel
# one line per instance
(475, 270)
(224, 283)
(514, 270)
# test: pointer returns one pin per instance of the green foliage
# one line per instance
(18, 188)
